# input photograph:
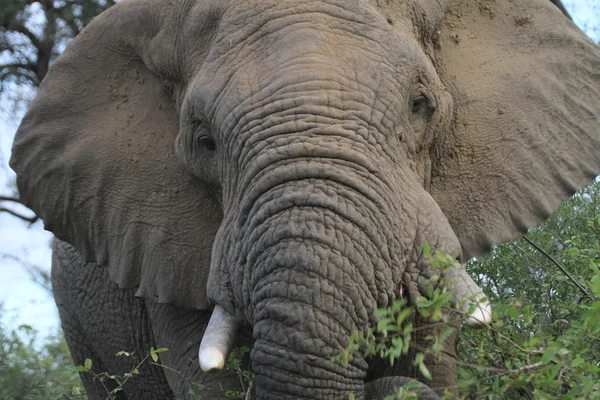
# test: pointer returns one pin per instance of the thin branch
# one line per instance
(575, 282)
(16, 70)
(31, 220)
(21, 28)
(500, 371)
(13, 199)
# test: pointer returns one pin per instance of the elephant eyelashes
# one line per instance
(205, 143)
(422, 105)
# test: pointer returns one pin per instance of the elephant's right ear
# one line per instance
(95, 159)
(526, 135)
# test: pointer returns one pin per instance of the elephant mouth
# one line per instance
(220, 335)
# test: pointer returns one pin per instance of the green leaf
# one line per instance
(427, 250)
(424, 371)
(163, 349)
(549, 355)
(577, 362)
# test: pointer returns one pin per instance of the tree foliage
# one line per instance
(33, 370)
(34, 33)
(544, 342)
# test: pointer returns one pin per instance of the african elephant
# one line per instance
(283, 163)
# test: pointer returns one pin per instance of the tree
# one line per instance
(545, 287)
(34, 33)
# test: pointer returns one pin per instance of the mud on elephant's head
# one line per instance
(287, 160)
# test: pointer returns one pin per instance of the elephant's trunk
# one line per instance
(308, 294)
(293, 360)
(308, 261)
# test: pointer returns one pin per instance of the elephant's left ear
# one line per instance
(94, 155)
(526, 134)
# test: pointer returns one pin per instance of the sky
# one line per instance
(25, 302)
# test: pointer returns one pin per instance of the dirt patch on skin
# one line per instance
(455, 37)
(485, 7)
(522, 20)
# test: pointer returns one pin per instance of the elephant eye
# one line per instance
(422, 105)
(205, 143)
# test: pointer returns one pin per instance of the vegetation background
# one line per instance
(545, 288)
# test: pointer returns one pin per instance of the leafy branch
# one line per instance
(118, 379)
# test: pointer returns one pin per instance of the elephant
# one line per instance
(268, 173)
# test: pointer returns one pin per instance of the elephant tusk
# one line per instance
(481, 316)
(218, 340)
(467, 292)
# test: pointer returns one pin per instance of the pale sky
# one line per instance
(24, 301)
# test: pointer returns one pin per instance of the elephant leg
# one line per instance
(99, 320)
(80, 350)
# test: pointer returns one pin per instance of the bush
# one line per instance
(33, 370)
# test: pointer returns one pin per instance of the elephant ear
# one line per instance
(95, 160)
(526, 133)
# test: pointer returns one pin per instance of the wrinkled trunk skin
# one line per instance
(317, 237)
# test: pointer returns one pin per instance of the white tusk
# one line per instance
(218, 340)
(481, 315)
(466, 292)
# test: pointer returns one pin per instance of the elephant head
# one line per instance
(286, 161)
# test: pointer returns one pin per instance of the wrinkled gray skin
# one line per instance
(287, 160)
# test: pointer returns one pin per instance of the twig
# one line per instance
(103, 385)
(122, 384)
(500, 371)
(6, 198)
(575, 282)
(31, 220)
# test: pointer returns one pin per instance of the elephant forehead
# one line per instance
(253, 47)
